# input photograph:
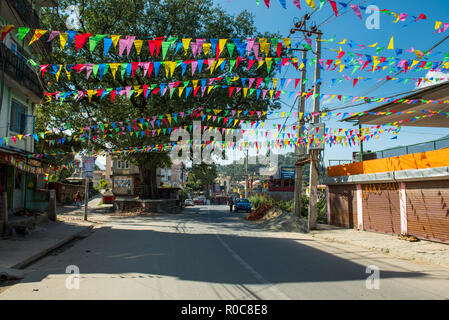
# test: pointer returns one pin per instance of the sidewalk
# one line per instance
(421, 251)
(17, 252)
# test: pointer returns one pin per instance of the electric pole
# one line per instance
(246, 175)
(361, 142)
(300, 149)
(86, 187)
(313, 182)
(301, 152)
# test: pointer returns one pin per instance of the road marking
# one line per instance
(250, 269)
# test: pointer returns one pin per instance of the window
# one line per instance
(122, 164)
(13, 46)
(18, 117)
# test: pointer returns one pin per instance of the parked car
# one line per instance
(197, 201)
(189, 202)
(242, 204)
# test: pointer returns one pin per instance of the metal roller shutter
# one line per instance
(428, 210)
(342, 206)
(381, 208)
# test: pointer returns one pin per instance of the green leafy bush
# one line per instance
(258, 200)
(102, 184)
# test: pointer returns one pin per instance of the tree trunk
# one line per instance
(148, 188)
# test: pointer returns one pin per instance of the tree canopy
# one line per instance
(145, 20)
(202, 176)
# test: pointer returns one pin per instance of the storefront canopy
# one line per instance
(432, 94)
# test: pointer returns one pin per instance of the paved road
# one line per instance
(208, 253)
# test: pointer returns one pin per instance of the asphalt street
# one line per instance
(209, 253)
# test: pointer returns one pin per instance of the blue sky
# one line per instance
(418, 35)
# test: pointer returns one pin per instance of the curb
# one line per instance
(398, 254)
(23, 264)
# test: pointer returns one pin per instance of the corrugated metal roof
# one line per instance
(436, 92)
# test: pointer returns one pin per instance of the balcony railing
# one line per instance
(31, 19)
(17, 68)
(415, 148)
(29, 16)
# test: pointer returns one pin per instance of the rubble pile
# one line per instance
(259, 213)
(273, 218)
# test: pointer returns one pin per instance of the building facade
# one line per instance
(406, 195)
(175, 176)
(20, 90)
(125, 177)
(404, 190)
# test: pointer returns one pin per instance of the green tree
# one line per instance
(202, 176)
(145, 19)
(102, 184)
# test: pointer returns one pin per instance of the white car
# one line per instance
(189, 202)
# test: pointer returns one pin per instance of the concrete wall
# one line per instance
(66, 192)
(278, 195)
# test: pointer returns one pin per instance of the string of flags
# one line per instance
(147, 68)
(130, 91)
(122, 43)
(104, 129)
(339, 6)
(237, 48)
(23, 165)
(308, 141)
(230, 116)
(380, 63)
(420, 54)
(275, 133)
(216, 116)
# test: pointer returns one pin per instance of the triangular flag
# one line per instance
(311, 4)
(391, 45)
(22, 32)
(37, 34)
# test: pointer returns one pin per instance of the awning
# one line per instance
(404, 113)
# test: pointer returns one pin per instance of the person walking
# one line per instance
(231, 203)
(77, 199)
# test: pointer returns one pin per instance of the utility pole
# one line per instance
(300, 149)
(86, 180)
(301, 152)
(246, 175)
(361, 142)
(313, 182)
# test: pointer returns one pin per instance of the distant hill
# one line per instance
(237, 171)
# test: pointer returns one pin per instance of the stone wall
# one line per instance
(65, 192)
(150, 206)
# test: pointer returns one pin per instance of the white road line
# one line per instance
(250, 269)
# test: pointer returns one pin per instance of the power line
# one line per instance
(385, 81)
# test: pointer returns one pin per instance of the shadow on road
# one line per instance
(203, 257)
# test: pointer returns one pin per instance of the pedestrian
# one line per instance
(231, 203)
(77, 199)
